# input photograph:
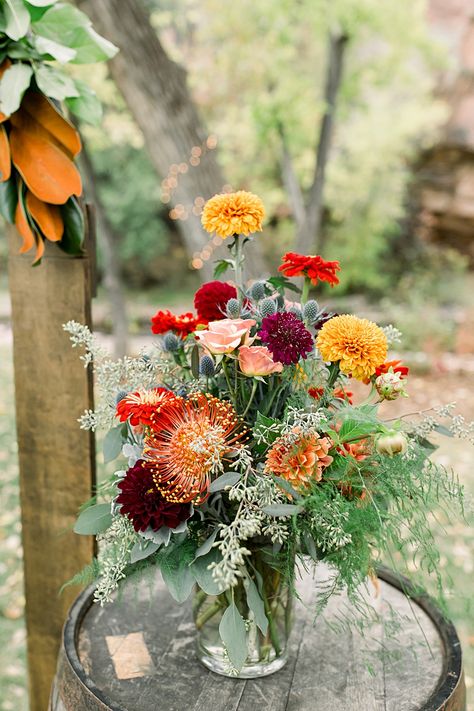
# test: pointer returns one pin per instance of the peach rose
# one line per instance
(257, 360)
(226, 335)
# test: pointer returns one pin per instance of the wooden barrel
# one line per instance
(137, 654)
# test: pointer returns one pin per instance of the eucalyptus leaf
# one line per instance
(224, 480)
(17, 19)
(287, 487)
(113, 442)
(56, 50)
(86, 106)
(177, 573)
(142, 550)
(278, 510)
(94, 519)
(233, 634)
(13, 84)
(8, 200)
(54, 83)
(207, 545)
(255, 603)
(202, 574)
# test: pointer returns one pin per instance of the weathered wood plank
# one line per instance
(56, 458)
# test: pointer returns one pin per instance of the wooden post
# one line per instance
(56, 458)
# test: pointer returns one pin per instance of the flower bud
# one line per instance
(297, 312)
(171, 342)
(310, 312)
(267, 308)
(233, 308)
(206, 366)
(120, 396)
(392, 443)
(257, 291)
(390, 386)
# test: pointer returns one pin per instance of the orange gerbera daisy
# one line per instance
(233, 214)
(190, 440)
(358, 345)
(142, 405)
(299, 458)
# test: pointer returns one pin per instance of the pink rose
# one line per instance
(257, 360)
(226, 335)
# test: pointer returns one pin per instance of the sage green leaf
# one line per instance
(195, 361)
(60, 22)
(221, 267)
(113, 442)
(207, 545)
(8, 200)
(17, 19)
(56, 50)
(13, 84)
(227, 479)
(233, 634)
(86, 106)
(91, 47)
(255, 603)
(287, 487)
(282, 510)
(202, 574)
(54, 83)
(142, 550)
(177, 573)
(73, 238)
(94, 519)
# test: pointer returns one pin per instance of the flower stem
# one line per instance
(252, 395)
(238, 262)
(305, 292)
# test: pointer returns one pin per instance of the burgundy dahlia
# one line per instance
(286, 337)
(144, 505)
(211, 299)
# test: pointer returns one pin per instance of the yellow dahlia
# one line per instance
(358, 345)
(233, 213)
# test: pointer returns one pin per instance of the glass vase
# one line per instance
(267, 653)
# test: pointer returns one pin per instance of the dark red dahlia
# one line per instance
(323, 318)
(211, 299)
(144, 505)
(286, 337)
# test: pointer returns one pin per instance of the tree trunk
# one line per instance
(156, 92)
(308, 235)
(108, 241)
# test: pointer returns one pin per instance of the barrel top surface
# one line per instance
(137, 654)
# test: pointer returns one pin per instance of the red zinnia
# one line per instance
(211, 299)
(141, 405)
(338, 393)
(313, 267)
(394, 365)
(164, 321)
(144, 505)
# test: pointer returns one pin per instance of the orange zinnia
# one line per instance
(191, 439)
(233, 214)
(314, 268)
(299, 458)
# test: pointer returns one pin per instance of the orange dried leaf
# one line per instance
(5, 159)
(47, 217)
(45, 168)
(24, 229)
(41, 110)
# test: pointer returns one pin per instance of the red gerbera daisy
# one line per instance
(313, 267)
(140, 406)
(191, 438)
(164, 321)
(211, 299)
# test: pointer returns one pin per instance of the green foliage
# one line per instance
(94, 519)
(233, 634)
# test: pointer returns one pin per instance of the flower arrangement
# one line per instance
(246, 452)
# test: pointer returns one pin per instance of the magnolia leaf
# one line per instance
(60, 22)
(17, 19)
(282, 510)
(55, 84)
(113, 442)
(207, 545)
(233, 634)
(202, 574)
(13, 84)
(90, 46)
(255, 603)
(73, 237)
(42, 3)
(86, 106)
(224, 480)
(58, 51)
(142, 550)
(94, 519)
(177, 573)
(8, 200)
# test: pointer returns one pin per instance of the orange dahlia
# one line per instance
(190, 440)
(142, 405)
(233, 214)
(358, 345)
(299, 458)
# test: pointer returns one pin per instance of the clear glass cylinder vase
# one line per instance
(267, 653)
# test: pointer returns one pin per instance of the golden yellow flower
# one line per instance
(233, 213)
(358, 345)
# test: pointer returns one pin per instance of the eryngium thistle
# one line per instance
(206, 366)
(310, 312)
(257, 291)
(171, 343)
(297, 312)
(233, 308)
(267, 308)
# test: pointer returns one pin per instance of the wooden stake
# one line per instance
(56, 458)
